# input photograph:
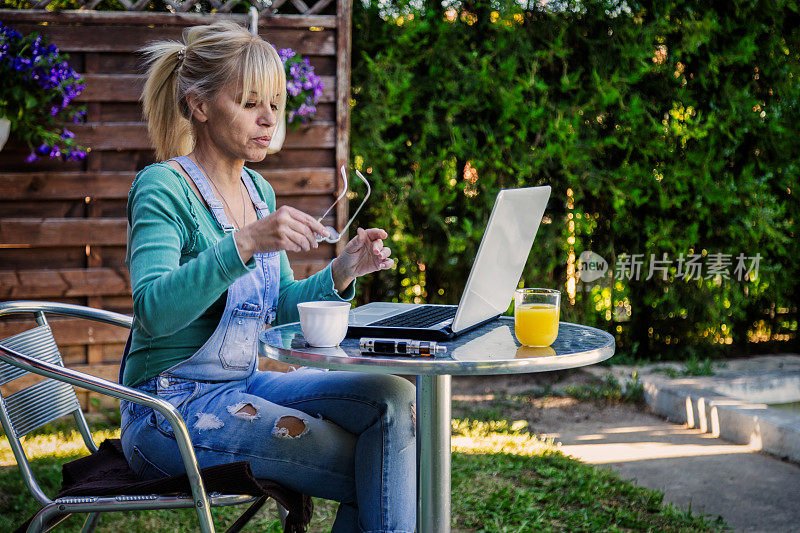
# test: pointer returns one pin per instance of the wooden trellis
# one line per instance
(267, 8)
(63, 225)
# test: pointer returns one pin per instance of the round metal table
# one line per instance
(489, 349)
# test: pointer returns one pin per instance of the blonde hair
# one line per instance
(210, 58)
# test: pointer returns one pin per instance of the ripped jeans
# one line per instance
(343, 436)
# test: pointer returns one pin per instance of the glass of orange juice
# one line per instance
(536, 316)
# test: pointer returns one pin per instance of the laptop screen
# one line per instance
(502, 254)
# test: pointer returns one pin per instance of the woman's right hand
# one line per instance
(286, 228)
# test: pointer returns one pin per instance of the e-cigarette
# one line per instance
(408, 347)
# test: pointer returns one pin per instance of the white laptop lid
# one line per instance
(502, 254)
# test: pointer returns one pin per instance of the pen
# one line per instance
(409, 347)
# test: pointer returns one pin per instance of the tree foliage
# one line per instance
(663, 128)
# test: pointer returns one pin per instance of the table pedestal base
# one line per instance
(433, 453)
(490, 349)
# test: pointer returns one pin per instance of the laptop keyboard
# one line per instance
(419, 317)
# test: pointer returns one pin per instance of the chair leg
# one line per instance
(90, 523)
(247, 515)
(46, 519)
(282, 514)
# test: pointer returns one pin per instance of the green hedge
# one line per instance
(663, 127)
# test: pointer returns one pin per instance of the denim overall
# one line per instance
(356, 441)
(230, 352)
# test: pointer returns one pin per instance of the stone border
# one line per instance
(702, 402)
(755, 424)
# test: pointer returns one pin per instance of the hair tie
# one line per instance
(181, 54)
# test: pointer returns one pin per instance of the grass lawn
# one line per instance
(503, 479)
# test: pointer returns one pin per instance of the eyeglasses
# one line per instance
(335, 235)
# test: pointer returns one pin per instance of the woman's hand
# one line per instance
(365, 253)
(286, 228)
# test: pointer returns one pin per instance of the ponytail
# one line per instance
(168, 122)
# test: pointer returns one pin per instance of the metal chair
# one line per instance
(35, 351)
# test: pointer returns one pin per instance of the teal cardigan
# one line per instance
(181, 264)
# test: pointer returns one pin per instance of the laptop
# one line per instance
(495, 273)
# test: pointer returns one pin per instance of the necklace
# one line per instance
(233, 215)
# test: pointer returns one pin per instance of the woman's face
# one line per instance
(241, 132)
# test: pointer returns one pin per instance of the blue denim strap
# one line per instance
(259, 204)
(206, 192)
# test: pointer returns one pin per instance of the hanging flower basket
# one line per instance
(37, 88)
(303, 90)
(303, 87)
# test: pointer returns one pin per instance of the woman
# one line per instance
(207, 258)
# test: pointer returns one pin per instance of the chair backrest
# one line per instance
(36, 405)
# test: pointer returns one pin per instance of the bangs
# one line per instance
(262, 75)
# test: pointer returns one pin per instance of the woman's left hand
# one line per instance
(365, 253)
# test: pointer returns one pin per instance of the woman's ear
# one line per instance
(197, 107)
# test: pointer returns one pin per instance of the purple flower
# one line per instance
(10, 33)
(54, 111)
(70, 156)
(67, 134)
(55, 152)
(306, 110)
(76, 155)
(21, 64)
(293, 88)
(31, 158)
(304, 88)
(285, 54)
(43, 149)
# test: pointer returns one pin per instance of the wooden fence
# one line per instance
(63, 225)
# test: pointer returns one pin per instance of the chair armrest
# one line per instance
(57, 308)
(104, 386)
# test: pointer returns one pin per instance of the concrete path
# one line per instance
(752, 491)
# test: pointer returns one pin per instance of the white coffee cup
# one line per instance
(324, 324)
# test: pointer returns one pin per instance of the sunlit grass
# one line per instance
(503, 479)
(507, 479)
(498, 436)
(53, 446)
